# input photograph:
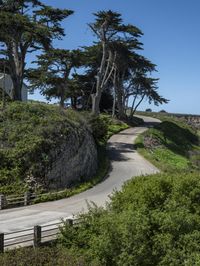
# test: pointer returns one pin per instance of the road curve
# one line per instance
(125, 163)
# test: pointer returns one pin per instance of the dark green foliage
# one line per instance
(179, 136)
(50, 256)
(28, 135)
(106, 102)
(154, 220)
(52, 75)
(99, 128)
(27, 26)
(104, 126)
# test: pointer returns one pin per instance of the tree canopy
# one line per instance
(110, 74)
(25, 27)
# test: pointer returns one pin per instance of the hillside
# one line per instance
(153, 220)
(40, 147)
(44, 148)
(171, 145)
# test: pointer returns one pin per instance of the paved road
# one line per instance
(125, 163)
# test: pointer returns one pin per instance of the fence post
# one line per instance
(37, 236)
(70, 222)
(2, 201)
(27, 198)
(1, 242)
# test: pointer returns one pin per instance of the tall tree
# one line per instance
(27, 26)
(52, 76)
(108, 27)
(144, 87)
(127, 63)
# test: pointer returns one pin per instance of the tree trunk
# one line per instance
(120, 101)
(74, 102)
(62, 95)
(114, 104)
(16, 66)
(17, 88)
(96, 97)
(134, 110)
(104, 74)
(62, 102)
(114, 93)
(126, 105)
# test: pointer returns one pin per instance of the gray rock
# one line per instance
(74, 161)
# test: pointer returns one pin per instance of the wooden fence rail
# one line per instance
(23, 200)
(14, 201)
(31, 236)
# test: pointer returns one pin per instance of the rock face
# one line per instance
(74, 161)
(192, 120)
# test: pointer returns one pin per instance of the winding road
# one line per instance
(125, 163)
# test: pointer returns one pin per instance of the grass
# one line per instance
(169, 145)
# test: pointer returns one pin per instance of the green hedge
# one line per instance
(154, 220)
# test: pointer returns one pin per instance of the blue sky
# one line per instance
(171, 40)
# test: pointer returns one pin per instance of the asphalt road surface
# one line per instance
(125, 163)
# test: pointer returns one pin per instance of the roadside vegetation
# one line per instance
(170, 145)
(154, 220)
(28, 134)
(43, 256)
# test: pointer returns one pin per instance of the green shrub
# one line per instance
(154, 220)
(99, 128)
(104, 126)
(50, 256)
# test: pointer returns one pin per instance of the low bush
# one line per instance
(50, 256)
(104, 126)
(154, 220)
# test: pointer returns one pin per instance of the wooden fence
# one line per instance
(35, 236)
(15, 201)
(23, 200)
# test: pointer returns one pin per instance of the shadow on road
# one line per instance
(118, 149)
(151, 124)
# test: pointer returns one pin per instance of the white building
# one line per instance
(9, 86)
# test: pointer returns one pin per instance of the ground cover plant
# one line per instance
(170, 145)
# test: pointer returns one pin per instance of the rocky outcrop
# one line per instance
(74, 161)
(192, 120)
